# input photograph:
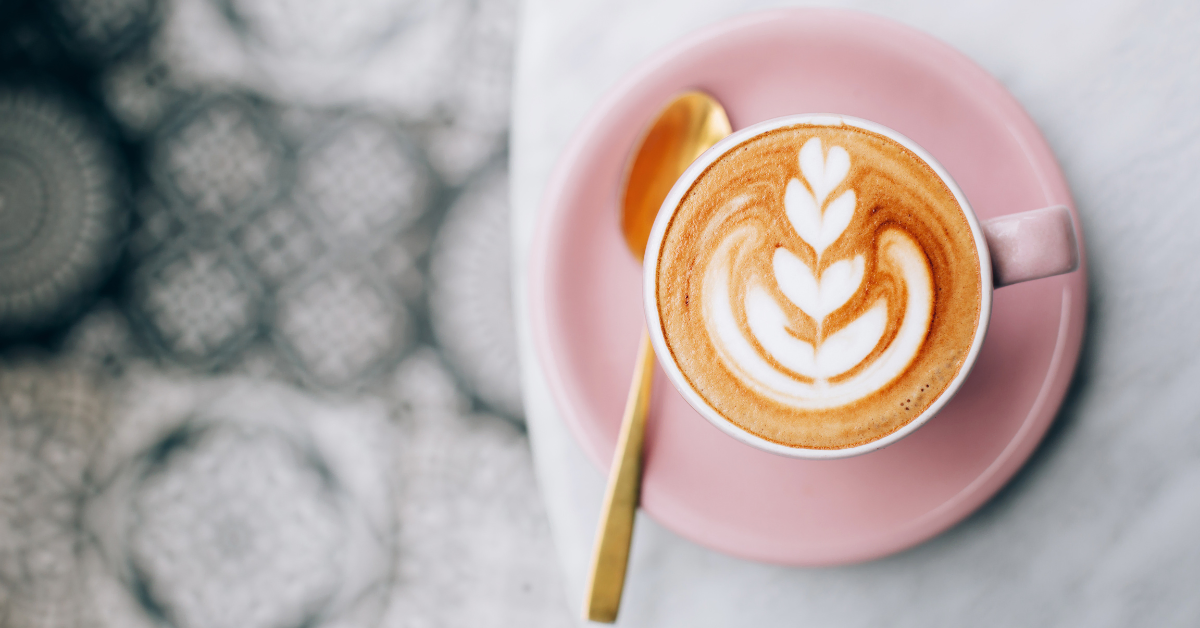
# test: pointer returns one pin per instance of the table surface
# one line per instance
(1099, 528)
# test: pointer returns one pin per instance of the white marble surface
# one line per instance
(1100, 528)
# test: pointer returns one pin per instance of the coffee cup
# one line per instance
(818, 286)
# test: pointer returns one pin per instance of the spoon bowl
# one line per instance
(685, 128)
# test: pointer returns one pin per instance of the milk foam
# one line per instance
(838, 353)
(775, 361)
(795, 286)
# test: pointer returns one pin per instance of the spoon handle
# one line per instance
(610, 554)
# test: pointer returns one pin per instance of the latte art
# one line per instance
(819, 286)
(794, 369)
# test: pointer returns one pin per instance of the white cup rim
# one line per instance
(650, 274)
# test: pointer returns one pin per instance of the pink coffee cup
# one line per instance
(1012, 249)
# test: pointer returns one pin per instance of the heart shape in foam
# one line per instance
(817, 297)
(823, 173)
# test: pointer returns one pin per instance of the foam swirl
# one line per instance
(772, 366)
(822, 296)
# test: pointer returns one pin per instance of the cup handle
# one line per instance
(1032, 245)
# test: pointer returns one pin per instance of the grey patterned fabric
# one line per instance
(258, 366)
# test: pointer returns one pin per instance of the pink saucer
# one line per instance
(586, 294)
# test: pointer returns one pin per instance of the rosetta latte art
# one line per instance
(785, 365)
(818, 286)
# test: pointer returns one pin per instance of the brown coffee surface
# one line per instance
(823, 344)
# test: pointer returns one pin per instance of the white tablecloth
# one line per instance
(1100, 528)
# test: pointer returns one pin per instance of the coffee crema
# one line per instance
(819, 286)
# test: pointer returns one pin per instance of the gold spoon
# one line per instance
(685, 128)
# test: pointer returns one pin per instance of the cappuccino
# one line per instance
(819, 286)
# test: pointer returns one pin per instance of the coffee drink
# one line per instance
(819, 286)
